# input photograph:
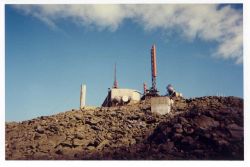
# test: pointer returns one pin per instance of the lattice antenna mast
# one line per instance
(153, 67)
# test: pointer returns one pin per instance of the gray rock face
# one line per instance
(200, 128)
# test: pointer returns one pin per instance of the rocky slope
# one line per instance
(206, 128)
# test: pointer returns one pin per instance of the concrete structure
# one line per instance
(161, 105)
(83, 96)
(121, 96)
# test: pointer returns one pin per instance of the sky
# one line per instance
(52, 49)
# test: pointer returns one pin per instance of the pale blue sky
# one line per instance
(49, 54)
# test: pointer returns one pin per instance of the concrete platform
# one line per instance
(121, 96)
(161, 105)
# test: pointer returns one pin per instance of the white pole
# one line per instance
(82, 96)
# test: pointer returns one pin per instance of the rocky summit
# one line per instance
(205, 128)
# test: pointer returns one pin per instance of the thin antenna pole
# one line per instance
(115, 80)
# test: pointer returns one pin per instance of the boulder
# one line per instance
(235, 131)
(205, 122)
(78, 142)
(39, 129)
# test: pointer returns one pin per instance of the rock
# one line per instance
(45, 147)
(39, 129)
(40, 155)
(222, 142)
(205, 122)
(109, 136)
(78, 142)
(198, 152)
(166, 130)
(207, 135)
(95, 127)
(188, 130)
(134, 117)
(102, 144)
(181, 106)
(54, 128)
(132, 141)
(150, 120)
(236, 134)
(91, 148)
(178, 128)
(142, 124)
(59, 151)
(187, 140)
(210, 113)
(234, 127)
(68, 152)
(182, 120)
(235, 131)
(43, 123)
(125, 141)
(92, 121)
(66, 143)
(168, 146)
(78, 116)
(37, 136)
(79, 135)
(177, 137)
(113, 113)
(56, 139)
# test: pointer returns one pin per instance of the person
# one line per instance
(170, 91)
